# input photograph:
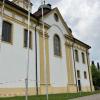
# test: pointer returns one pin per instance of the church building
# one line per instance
(67, 58)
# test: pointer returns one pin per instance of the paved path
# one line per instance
(92, 97)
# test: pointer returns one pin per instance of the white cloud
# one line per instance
(83, 16)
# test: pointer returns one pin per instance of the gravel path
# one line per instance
(92, 97)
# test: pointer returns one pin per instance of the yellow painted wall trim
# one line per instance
(8, 92)
(53, 90)
(89, 72)
(42, 69)
(69, 64)
(72, 88)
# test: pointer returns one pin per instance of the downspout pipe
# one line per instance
(74, 63)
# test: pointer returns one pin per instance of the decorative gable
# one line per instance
(55, 18)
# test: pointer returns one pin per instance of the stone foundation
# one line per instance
(8, 92)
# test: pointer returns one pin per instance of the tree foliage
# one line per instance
(95, 75)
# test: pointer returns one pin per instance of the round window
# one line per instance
(56, 17)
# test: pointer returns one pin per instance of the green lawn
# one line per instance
(65, 96)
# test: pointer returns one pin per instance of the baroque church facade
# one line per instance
(67, 58)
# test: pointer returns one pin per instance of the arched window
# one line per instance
(57, 46)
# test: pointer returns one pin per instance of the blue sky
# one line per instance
(83, 16)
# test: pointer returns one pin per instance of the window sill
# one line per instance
(77, 61)
(60, 56)
(7, 42)
(26, 48)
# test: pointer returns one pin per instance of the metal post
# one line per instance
(2, 13)
(46, 72)
(36, 61)
(27, 69)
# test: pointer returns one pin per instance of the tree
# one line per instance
(98, 78)
(95, 76)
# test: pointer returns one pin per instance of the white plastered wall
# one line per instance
(58, 65)
(58, 68)
(82, 67)
(13, 60)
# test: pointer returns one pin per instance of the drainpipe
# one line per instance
(74, 63)
(89, 70)
(36, 60)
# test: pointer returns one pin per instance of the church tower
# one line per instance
(23, 4)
